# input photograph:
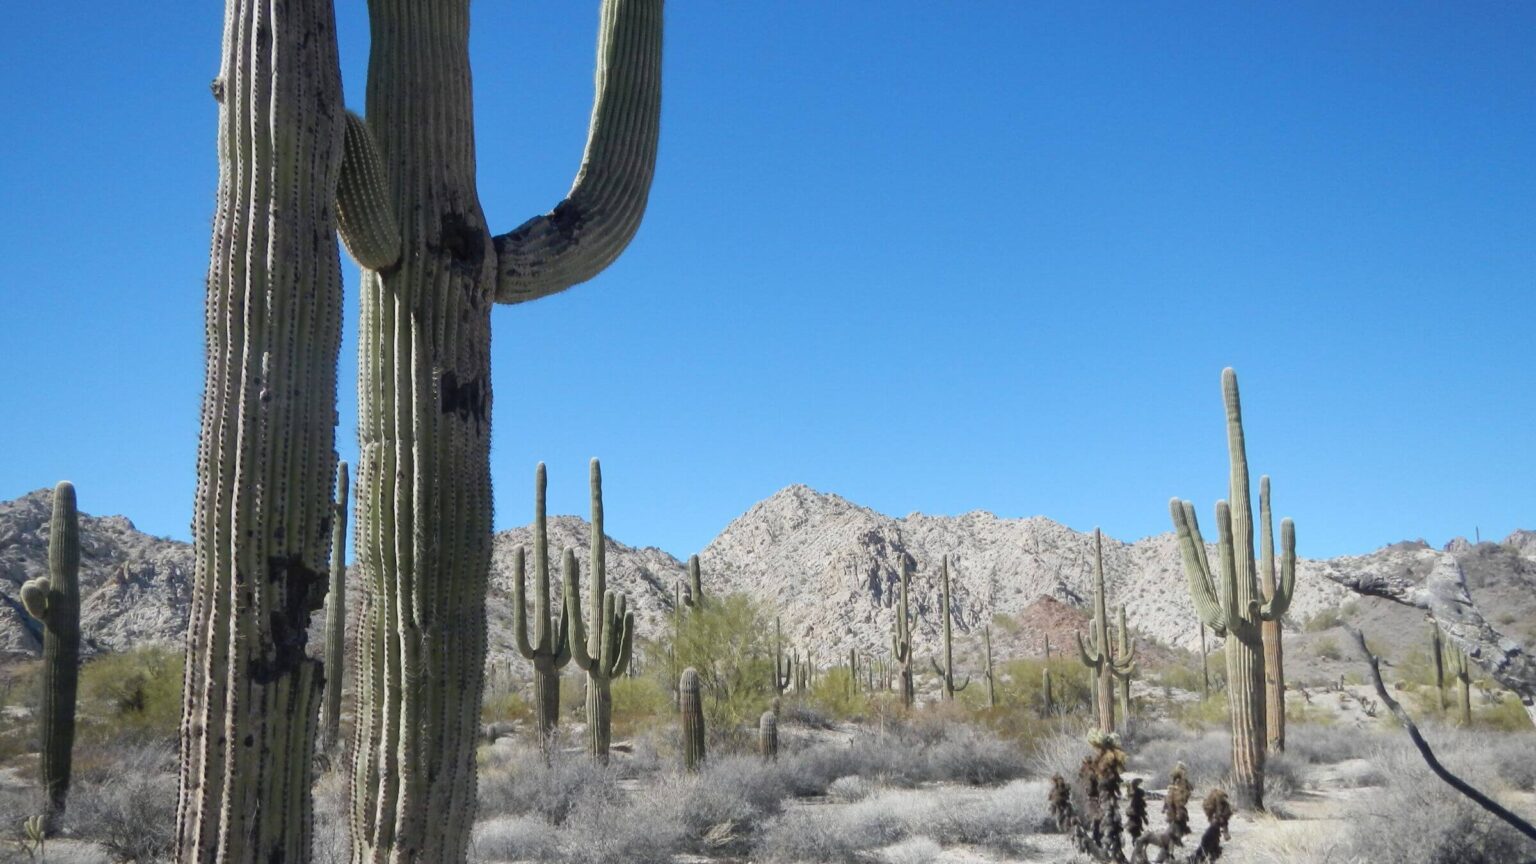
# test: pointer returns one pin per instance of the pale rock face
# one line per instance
(827, 566)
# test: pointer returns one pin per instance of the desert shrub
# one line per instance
(1282, 776)
(832, 695)
(728, 641)
(1207, 756)
(849, 789)
(501, 706)
(1417, 819)
(1517, 762)
(1203, 713)
(639, 702)
(1326, 648)
(515, 838)
(917, 850)
(132, 814)
(1325, 745)
(1332, 617)
(133, 695)
(516, 780)
(1021, 684)
(332, 843)
(1058, 753)
(969, 755)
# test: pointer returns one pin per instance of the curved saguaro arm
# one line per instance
(364, 217)
(1123, 663)
(1197, 566)
(586, 231)
(1277, 595)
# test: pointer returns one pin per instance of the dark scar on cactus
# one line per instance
(463, 241)
(303, 593)
(466, 400)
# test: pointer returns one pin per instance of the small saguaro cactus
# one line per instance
(986, 639)
(853, 671)
(1463, 675)
(1045, 681)
(336, 617)
(901, 638)
(54, 600)
(783, 667)
(1437, 651)
(946, 673)
(1102, 659)
(1227, 600)
(693, 598)
(692, 711)
(550, 649)
(602, 651)
(1124, 648)
(768, 736)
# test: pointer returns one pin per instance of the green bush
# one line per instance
(135, 694)
(729, 642)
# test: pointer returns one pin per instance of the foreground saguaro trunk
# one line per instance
(261, 526)
(423, 485)
(336, 617)
(1227, 600)
(54, 600)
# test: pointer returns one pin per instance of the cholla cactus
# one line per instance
(946, 673)
(692, 712)
(1101, 657)
(1136, 810)
(54, 600)
(1227, 600)
(901, 638)
(603, 650)
(768, 735)
(1218, 815)
(550, 649)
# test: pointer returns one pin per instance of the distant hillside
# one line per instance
(828, 566)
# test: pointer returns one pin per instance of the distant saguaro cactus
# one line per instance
(54, 600)
(694, 597)
(768, 736)
(901, 639)
(1228, 601)
(1045, 681)
(692, 711)
(853, 671)
(336, 617)
(550, 649)
(602, 651)
(783, 666)
(261, 520)
(1437, 651)
(986, 638)
(1102, 658)
(1463, 675)
(946, 673)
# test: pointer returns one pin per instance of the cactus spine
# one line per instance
(1274, 655)
(768, 736)
(1227, 600)
(550, 649)
(986, 638)
(1437, 651)
(54, 600)
(901, 639)
(1463, 673)
(1101, 658)
(693, 720)
(603, 650)
(424, 391)
(336, 617)
(783, 667)
(261, 523)
(947, 673)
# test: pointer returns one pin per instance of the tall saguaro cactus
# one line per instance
(694, 598)
(336, 616)
(602, 651)
(986, 638)
(1227, 600)
(261, 525)
(1045, 681)
(424, 386)
(54, 600)
(947, 672)
(901, 638)
(550, 649)
(1105, 663)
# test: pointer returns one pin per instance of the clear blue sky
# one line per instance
(929, 256)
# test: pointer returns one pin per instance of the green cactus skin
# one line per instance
(946, 673)
(1124, 648)
(783, 667)
(853, 671)
(54, 600)
(424, 393)
(1101, 658)
(1045, 681)
(261, 522)
(692, 712)
(1205, 666)
(602, 651)
(363, 216)
(1274, 654)
(1463, 674)
(901, 639)
(768, 736)
(550, 649)
(1437, 651)
(336, 616)
(1230, 604)
(693, 598)
(986, 638)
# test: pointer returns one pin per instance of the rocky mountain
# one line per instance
(827, 565)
